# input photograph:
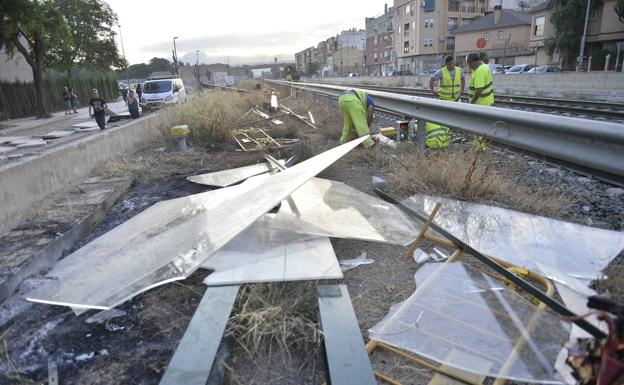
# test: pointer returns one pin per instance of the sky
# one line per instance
(246, 31)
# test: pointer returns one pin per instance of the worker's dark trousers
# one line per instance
(101, 121)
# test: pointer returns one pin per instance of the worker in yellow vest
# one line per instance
(357, 111)
(451, 83)
(480, 89)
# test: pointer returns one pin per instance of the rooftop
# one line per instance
(508, 18)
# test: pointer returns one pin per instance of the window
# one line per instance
(399, 29)
(375, 40)
(375, 55)
(486, 36)
(407, 9)
(406, 29)
(450, 43)
(452, 24)
(413, 26)
(593, 15)
(428, 23)
(501, 35)
(538, 29)
(406, 47)
(428, 42)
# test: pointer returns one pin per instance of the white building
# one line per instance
(352, 38)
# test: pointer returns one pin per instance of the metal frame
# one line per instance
(591, 144)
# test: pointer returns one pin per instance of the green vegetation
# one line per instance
(619, 9)
(142, 70)
(568, 18)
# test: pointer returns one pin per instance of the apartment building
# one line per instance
(423, 30)
(505, 33)
(380, 55)
(305, 57)
(347, 47)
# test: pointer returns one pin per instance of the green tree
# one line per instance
(619, 9)
(38, 32)
(160, 64)
(91, 25)
(311, 68)
(568, 19)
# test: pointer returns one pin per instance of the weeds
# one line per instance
(284, 313)
(210, 116)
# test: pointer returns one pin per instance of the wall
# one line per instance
(27, 182)
(571, 85)
(466, 42)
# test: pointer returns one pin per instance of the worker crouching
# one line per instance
(357, 111)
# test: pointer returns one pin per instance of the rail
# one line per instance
(592, 145)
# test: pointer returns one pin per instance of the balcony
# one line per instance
(454, 7)
(458, 7)
(452, 27)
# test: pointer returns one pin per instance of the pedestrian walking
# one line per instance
(133, 104)
(139, 91)
(73, 100)
(99, 109)
(66, 100)
(357, 112)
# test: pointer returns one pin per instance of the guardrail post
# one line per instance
(419, 136)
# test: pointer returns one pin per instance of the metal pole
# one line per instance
(579, 66)
(124, 55)
(197, 68)
(175, 56)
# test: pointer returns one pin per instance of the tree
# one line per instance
(91, 25)
(38, 32)
(568, 19)
(160, 64)
(619, 9)
(311, 68)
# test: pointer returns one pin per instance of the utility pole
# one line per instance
(124, 55)
(579, 65)
(197, 68)
(175, 56)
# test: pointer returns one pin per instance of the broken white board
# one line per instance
(86, 124)
(262, 255)
(458, 308)
(5, 149)
(32, 143)
(56, 134)
(171, 239)
(525, 239)
(230, 177)
(334, 209)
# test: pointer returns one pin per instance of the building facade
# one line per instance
(380, 55)
(505, 33)
(423, 30)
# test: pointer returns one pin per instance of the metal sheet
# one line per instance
(229, 177)
(463, 309)
(346, 357)
(171, 239)
(334, 209)
(525, 239)
(194, 356)
(262, 255)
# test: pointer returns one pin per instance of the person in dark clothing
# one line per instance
(66, 100)
(73, 99)
(139, 91)
(99, 109)
(133, 105)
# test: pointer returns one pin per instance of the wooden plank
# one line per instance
(193, 359)
(346, 359)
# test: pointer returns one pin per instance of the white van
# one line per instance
(159, 92)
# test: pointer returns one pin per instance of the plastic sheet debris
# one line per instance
(105, 315)
(276, 121)
(420, 256)
(262, 255)
(171, 239)
(438, 255)
(56, 134)
(385, 140)
(256, 139)
(311, 117)
(230, 177)
(457, 308)
(525, 239)
(348, 264)
(334, 209)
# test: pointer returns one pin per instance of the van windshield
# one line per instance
(157, 87)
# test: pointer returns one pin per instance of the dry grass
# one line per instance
(461, 172)
(210, 116)
(328, 118)
(282, 313)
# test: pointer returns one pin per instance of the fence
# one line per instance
(18, 99)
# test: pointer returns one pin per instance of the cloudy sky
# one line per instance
(243, 30)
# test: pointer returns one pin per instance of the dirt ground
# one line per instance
(136, 348)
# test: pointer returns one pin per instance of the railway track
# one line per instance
(576, 107)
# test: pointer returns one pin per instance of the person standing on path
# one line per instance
(139, 91)
(99, 109)
(66, 100)
(133, 105)
(73, 100)
(357, 111)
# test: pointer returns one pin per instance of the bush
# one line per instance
(18, 99)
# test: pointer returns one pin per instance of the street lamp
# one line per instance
(175, 56)
(197, 68)
(123, 51)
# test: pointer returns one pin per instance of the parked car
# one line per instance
(160, 92)
(403, 73)
(500, 70)
(545, 69)
(353, 74)
(519, 69)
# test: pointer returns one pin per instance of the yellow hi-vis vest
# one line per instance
(436, 136)
(450, 88)
(482, 78)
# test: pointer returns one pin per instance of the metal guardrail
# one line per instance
(593, 145)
